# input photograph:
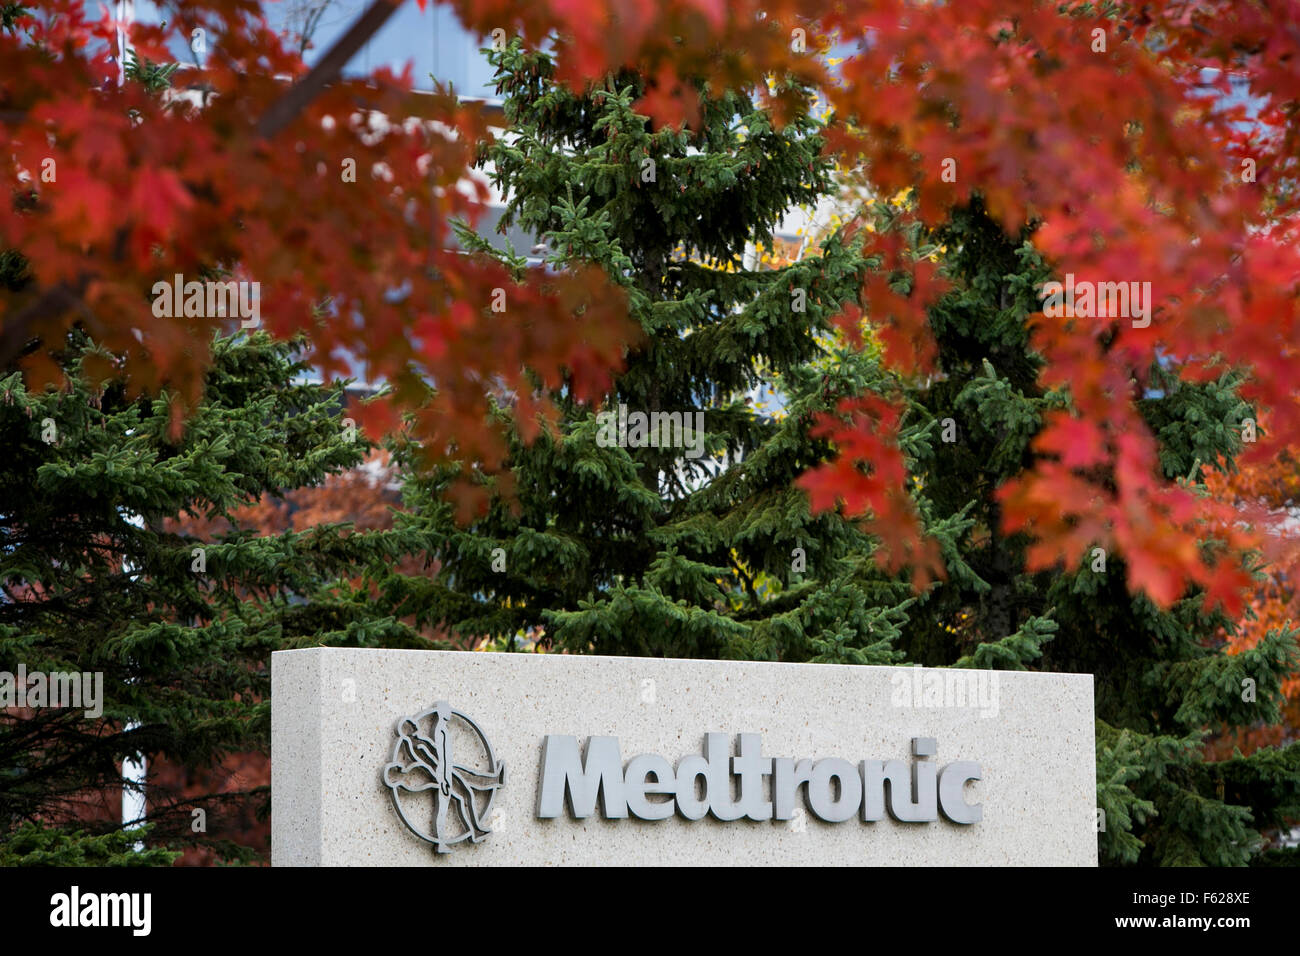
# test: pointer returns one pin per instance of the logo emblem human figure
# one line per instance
(424, 760)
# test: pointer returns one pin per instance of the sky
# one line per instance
(432, 40)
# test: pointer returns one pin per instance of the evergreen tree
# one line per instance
(1163, 678)
(95, 577)
(619, 549)
(643, 551)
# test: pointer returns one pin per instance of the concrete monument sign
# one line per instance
(430, 758)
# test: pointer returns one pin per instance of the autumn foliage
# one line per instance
(1118, 136)
(1269, 491)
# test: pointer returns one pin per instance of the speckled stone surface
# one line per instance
(334, 712)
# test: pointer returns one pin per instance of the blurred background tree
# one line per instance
(102, 570)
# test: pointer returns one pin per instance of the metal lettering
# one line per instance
(735, 787)
(952, 799)
(751, 767)
(821, 797)
(563, 770)
(636, 787)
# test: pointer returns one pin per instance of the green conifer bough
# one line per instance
(644, 551)
(180, 628)
(1163, 679)
(627, 548)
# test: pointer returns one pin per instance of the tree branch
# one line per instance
(19, 329)
(293, 102)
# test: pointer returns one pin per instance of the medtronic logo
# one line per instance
(424, 760)
(444, 753)
(836, 790)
